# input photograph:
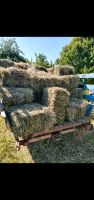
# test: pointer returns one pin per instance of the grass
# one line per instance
(68, 150)
(8, 152)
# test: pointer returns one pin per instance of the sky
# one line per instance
(49, 46)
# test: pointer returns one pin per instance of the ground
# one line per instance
(68, 150)
(8, 152)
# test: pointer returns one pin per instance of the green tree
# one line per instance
(9, 49)
(79, 53)
(51, 64)
(41, 60)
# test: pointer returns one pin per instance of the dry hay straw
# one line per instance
(63, 70)
(37, 71)
(37, 80)
(39, 68)
(14, 77)
(6, 63)
(30, 118)
(77, 93)
(24, 78)
(16, 96)
(56, 99)
(92, 114)
(21, 65)
(51, 70)
(76, 109)
(2, 73)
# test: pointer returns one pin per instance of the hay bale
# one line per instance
(76, 109)
(14, 77)
(31, 118)
(6, 63)
(2, 73)
(56, 98)
(63, 70)
(16, 96)
(68, 82)
(51, 70)
(21, 65)
(77, 93)
(37, 71)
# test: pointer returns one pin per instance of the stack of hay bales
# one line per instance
(23, 78)
(37, 80)
(76, 109)
(25, 87)
(56, 99)
(32, 118)
(61, 70)
(16, 96)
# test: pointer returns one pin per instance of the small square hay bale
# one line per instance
(56, 98)
(63, 70)
(16, 96)
(82, 108)
(71, 112)
(76, 109)
(32, 118)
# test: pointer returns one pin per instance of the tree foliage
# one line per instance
(9, 49)
(79, 53)
(41, 60)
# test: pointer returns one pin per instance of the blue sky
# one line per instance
(50, 46)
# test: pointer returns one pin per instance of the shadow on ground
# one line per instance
(68, 150)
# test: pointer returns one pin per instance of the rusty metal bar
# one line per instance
(29, 141)
(67, 125)
(64, 129)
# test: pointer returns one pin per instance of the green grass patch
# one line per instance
(8, 152)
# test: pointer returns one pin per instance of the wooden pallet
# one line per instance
(66, 128)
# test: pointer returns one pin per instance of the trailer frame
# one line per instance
(57, 131)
